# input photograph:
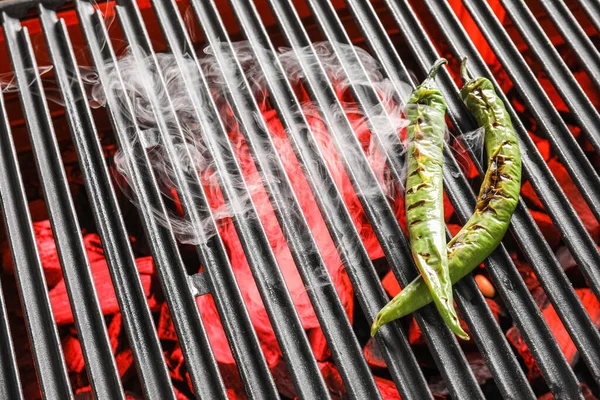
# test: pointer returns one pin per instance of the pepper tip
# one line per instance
(463, 335)
(449, 316)
(376, 325)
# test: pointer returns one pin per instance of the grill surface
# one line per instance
(180, 288)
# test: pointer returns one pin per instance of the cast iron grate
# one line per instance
(180, 289)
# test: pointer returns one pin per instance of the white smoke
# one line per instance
(140, 81)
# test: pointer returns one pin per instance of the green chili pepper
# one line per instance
(495, 205)
(424, 200)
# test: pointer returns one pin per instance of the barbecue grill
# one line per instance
(161, 24)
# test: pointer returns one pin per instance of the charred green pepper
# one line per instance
(425, 111)
(498, 197)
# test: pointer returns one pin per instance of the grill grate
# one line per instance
(217, 278)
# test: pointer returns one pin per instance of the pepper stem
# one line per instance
(435, 68)
(464, 72)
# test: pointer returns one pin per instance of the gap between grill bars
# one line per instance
(217, 278)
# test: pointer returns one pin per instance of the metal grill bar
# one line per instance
(280, 307)
(100, 362)
(41, 328)
(546, 115)
(508, 375)
(250, 360)
(575, 36)
(345, 348)
(186, 318)
(453, 366)
(544, 263)
(115, 241)
(507, 279)
(10, 384)
(592, 10)
(572, 94)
